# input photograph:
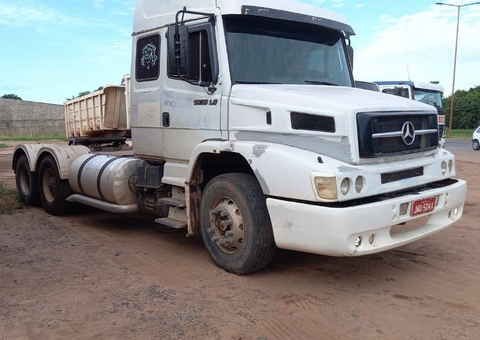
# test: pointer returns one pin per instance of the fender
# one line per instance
(211, 146)
(281, 170)
(64, 155)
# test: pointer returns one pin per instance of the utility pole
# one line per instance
(449, 132)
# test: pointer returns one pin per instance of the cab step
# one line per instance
(173, 202)
(171, 223)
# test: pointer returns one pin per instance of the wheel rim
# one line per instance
(226, 225)
(475, 145)
(49, 185)
(24, 180)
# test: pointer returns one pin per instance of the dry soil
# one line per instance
(95, 275)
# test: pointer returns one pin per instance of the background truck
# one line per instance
(101, 118)
(247, 129)
(427, 93)
(367, 85)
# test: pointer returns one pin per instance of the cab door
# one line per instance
(191, 107)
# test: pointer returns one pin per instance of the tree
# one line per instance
(466, 111)
(11, 96)
(84, 93)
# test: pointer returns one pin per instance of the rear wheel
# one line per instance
(235, 225)
(27, 182)
(53, 190)
(476, 145)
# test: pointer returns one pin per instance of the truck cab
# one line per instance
(247, 129)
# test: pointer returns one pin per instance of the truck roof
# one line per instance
(151, 14)
(415, 84)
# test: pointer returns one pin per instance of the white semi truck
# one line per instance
(248, 130)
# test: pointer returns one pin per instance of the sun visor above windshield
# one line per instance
(285, 15)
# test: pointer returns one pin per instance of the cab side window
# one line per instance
(398, 91)
(147, 58)
(199, 59)
(200, 67)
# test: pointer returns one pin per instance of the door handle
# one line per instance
(166, 119)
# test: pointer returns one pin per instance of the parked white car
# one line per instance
(476, 139)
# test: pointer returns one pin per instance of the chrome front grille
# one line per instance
(385, 134)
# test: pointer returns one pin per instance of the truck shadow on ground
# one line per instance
(390, 266)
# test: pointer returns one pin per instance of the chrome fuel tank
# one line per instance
(104, 177)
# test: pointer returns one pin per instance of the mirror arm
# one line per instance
(211, 20)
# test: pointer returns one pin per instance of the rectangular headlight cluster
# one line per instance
(325, 186)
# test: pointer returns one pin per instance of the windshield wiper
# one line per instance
(316, 82)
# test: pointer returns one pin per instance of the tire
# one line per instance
(27, 182)
(476, 145)
(235, 225)
(53, 190)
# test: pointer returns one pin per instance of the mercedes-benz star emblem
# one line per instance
(408, 133)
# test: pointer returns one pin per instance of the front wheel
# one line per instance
(27, 182)
(235, 225)
(53, 190)
(475, 145)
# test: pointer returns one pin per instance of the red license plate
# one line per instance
(423, 206)
(441, 119)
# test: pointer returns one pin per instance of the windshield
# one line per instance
(428, 97)
(267, 51)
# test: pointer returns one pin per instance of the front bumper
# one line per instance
(336, 231)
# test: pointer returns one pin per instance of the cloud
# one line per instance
(359, 6)
(15, 88)
(40, 16)
(21, 15)
(98, 3)
(424, 44)
(338, 3)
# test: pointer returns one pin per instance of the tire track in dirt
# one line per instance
(300, 319)
(171, 258)
(167, 261)
(130, 280)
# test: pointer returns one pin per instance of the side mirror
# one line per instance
(402, 92)
(178, 50)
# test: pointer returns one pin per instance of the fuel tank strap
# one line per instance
(100, 173)
(79, 174)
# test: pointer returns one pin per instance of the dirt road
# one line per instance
(94, 275)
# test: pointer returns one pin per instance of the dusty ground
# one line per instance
(94, 275)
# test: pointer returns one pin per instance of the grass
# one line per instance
(3, 146)
(35, 138)
(9, 200)
(461, 134)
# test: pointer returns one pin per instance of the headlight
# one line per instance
(443, 167)
(326, 186)
(450, 166)
(345, 186)
(359, 183)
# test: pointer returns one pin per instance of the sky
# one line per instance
(52, 50)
